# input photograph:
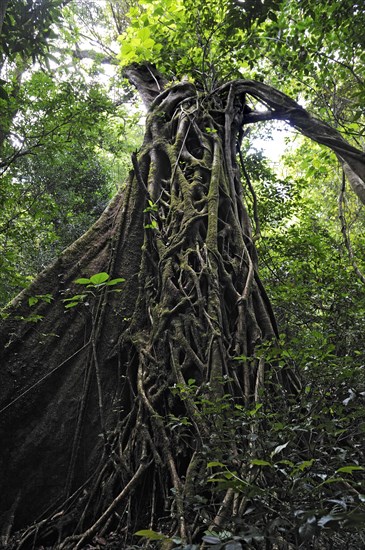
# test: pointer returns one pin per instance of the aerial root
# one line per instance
(80, 539)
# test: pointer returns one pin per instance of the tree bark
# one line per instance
(90, 397)
(3, 6)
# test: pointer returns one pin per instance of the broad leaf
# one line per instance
(115, 281)
(349, 469)
(82, 281)
(99, 278)
(150, 534)
(259, 462)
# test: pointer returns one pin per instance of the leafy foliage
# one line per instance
(61, 142)
(301, 481)
(298, 47)
(53, 184)
(93, 286)
(28, 28)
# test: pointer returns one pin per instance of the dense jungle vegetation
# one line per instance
(188, 179)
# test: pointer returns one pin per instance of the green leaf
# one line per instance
(115, 281)
(152, 225)
(259, 462)
(148, 44)
(286, 462)
(144, 33)
(305, 464)
(32, 318)
(82, 281)
(214, 464)
(151, 535)
(99, 278)
(32, 301)
(158, 11)
(75, 298)
(45, 297)
(152, 207)
(71, 304)
(349, 469)
(254, 411)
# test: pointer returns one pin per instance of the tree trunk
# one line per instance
(110, 409)
(3, 6)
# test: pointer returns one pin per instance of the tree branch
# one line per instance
(285, 108)
(95, 56)
(148, 81)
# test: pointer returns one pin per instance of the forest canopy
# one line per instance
(187, 369)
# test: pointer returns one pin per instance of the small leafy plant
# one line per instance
(151, 209)
(95, 284)
(33, 300)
